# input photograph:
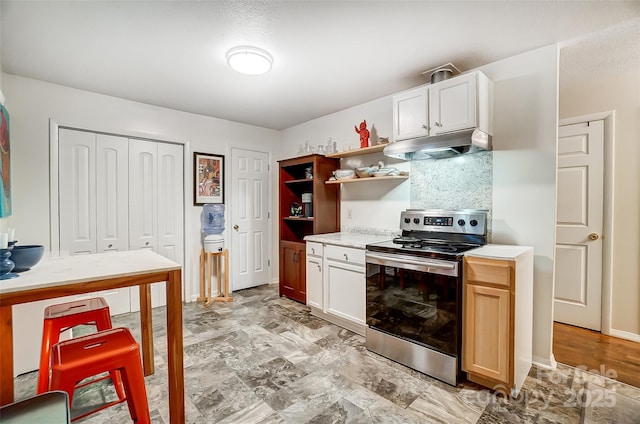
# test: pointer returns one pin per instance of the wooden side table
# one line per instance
(206, 275)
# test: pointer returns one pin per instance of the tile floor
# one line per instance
(265, 359)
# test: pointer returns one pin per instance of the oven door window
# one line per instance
(418, 306)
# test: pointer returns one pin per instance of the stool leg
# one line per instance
(65, 384)
(136, 392)
(103, 322)
(50, 336)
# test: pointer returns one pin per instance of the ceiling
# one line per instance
(328, 56)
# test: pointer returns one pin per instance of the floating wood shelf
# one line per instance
(358, 180)
(361, 151)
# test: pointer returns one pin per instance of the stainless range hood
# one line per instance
(440, 146)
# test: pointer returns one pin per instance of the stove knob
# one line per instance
(473, 222)
(416, 220)
(461, 222)
(407, 220)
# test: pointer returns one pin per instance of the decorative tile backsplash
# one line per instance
(463, 182)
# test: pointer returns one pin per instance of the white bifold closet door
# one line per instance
(120, 194)
(93, 181)
(155, 205)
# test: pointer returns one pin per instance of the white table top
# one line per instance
(84, 268)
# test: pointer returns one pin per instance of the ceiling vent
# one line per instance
(441, 73)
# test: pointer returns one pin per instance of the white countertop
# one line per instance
(83, 268)
(499, 251)
(348, 239)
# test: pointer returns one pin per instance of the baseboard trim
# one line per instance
(341, 322)
(625, 335)
(545, 363)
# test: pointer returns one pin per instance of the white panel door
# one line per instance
(112, 200)
(578, 263)
(143, 194)
(77, 193)
(112, 181)
(452, 104)
(170, 210)
(249, 198)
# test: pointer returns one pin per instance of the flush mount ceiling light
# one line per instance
(249, 60)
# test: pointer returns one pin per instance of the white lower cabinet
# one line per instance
(336, 285)
(314, 275)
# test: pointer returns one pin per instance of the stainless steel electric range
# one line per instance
(414, 289)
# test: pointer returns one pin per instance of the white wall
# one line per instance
(524, 172)
(32, 103)
(369, 204)
(621, 93)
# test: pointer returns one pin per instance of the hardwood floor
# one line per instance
(605, 355)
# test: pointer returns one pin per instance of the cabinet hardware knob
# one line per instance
(110, 246)
(593, 236)
(319, 269)
(426, 127)
(313, 251)
(146, 244)
(235, 227)
(346, 258)
(438, 124)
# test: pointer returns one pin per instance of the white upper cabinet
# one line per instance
(459, 103)
(452, 104)
(410, 114)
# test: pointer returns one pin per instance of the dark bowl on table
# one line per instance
(26, 256)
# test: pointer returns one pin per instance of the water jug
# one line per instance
(213, 219)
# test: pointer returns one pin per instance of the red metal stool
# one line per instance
(59, 318)
(77, 359)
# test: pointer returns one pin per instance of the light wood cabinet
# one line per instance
(497, 319)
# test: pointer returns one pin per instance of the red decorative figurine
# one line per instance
(364, 134)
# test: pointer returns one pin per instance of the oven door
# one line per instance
(415, 298)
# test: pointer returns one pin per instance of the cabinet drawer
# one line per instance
(344, 254)
(314, 248)
(492, 271)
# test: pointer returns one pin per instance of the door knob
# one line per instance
(235, 227)
(593, 236)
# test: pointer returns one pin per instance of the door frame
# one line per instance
(607, 212)
(233, 205)
(54, 207)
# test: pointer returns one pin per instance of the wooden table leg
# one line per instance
(226, 273)
(6, 355)
(146, 328)
(175, 348)
(202, 276)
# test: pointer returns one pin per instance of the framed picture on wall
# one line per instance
(5, 164)
(209, 178)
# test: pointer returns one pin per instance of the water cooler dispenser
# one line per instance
(212, 228)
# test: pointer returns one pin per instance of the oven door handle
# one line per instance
(399, 262)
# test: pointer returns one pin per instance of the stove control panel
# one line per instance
(463, 221)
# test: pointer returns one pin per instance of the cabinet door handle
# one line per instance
(426, 127)
(319, 269)
(346, 258)
(438, 124)
(313, 251)
(146, 244)
(295, 254)
(110, 246)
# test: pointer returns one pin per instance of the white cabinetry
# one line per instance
(459, 103)
(314, 275)
(336, 285)
(345, 283)
(410, 114)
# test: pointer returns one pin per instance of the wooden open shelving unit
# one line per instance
(356, 152)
